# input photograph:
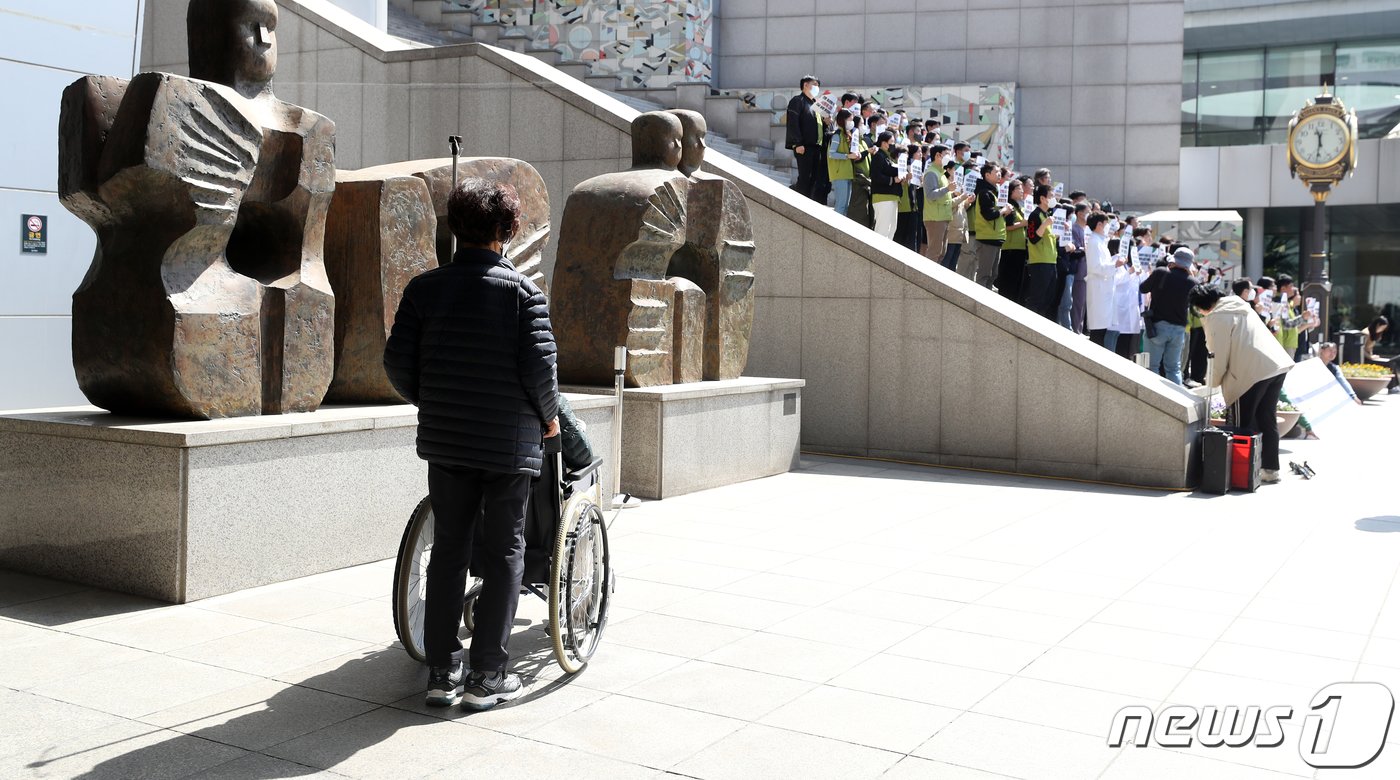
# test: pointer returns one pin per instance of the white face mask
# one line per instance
(1249, 295)
(850, 126)
(812, 92)
(877, 129)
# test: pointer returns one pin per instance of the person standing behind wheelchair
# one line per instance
(473, 349)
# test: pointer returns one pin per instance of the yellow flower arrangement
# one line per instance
(1365, 371)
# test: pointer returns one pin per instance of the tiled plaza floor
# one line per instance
(849, 620)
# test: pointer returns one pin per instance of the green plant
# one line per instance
(1364, 371)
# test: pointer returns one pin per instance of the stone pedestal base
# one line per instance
(181, 511)
(679, 439)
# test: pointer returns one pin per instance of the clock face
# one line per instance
(1319, 141)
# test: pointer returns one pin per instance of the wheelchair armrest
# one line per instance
(571, 475)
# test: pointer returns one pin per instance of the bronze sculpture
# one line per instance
(208, 295)
(388, 224)
(658, 258)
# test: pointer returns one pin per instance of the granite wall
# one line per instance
(902, 358)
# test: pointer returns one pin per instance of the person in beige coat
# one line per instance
(1248, 365)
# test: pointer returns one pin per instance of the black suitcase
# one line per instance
(1217, 460)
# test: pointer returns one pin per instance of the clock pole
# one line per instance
(1316, 283)
(1324, 114)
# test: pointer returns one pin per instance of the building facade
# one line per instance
(1248, 66)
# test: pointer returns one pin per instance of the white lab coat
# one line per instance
(1098, 297)
(1127, 301)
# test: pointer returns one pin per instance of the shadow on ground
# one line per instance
(1380, 525)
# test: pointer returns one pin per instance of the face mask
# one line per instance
(1249, 295)
(850, 126)
(877, 129)
(812, 92)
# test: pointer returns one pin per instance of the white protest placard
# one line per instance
(827, 104)
(970, 180)
(902, 164)
(1002, 190)
(918, 173)
(1059, 189)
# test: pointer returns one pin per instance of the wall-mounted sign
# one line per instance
(34, 234)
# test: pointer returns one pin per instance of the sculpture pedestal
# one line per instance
(181, 511)
(678, 439)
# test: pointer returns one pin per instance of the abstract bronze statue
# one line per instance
(208, 295)
(658, 258)
(388, 224)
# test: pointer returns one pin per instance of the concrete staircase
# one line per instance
(745, 134)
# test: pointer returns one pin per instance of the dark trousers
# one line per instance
(1011, 272)
(807, 164)
(1196, 357)
(1129, 344)
(906, 230)
(821, 178)
(1258, 407)
(1039, 292)
(458, 496)
(950, 256)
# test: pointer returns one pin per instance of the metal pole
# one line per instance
(455, 142)
(619, 379)
(1316, 282)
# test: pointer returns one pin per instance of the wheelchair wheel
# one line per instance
(411, 582)
(580, 585)
(411, 579)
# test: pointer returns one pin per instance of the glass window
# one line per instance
(1188, 98)
(1368, 81)
(1293, 76)
(1231, 93)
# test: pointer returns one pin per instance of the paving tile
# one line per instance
(932, 683)
(124, 750)
(731, 610)
(978, 651)
(719, 690)
(941, 586)
(1137, 643)
(368, 581)
(913, 768)
(523, 759)
(848, 629)
(380, 674)
(1017, 749)
(1298, 639)
(78, 609)
(677, 636)
(863, 718)
(18, 588)
(1060, 706)
(787, 656)
(802, 591)
(256, 765)
(142, 686)
(616, 667)
(1046, 602)
(269, 650)
(169, 629)
(1111, 673)
(383, 742)
(258, 715)
(1153, 763)
(1267, 663)
(43, 656)
(761, 751)
(1010, 624)
(1168, 620)
(278, 603)
(902, 607)
(367, 621)
(646, 595)
(637, 731)
(30, 725)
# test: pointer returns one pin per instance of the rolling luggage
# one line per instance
(1244, 468)
(1217, 453)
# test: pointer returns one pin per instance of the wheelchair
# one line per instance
(567, 563)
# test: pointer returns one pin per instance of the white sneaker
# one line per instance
(1269, 476)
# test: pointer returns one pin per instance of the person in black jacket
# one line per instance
(806, 136)
(472, 348)
(1170, 289)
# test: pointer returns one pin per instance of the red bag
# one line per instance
(1244, 466)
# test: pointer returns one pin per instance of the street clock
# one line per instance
(1322, 144)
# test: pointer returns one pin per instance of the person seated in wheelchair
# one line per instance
(472, 348)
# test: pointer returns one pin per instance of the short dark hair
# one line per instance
(990, 167)
(1266, 283)
(1042, 172)
(1204, 297)
(1041, 191)
(1078, 194)
(939, 149)
(961, 145)
(1240, 286)
(1284, 280)
(480, 211)
(1079, 207)
(870, 104)
(809, 79)
(841, 117)
(884, 136)
(1096, 219)
(848, 97)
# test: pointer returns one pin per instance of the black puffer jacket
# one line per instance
(473, 349)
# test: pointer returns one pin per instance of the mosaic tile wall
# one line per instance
(647, 43)
(983, 115)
